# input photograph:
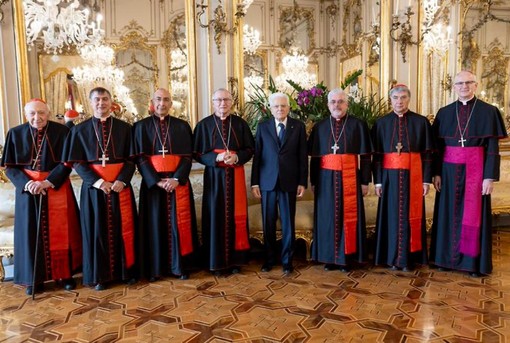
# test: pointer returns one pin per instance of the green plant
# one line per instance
(311, 105)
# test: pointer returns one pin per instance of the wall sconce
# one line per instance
(219, 23)
(401, 32)
(447, 83)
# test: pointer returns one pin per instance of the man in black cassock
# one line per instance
(168, 232)
(336, 144)
(33, 160)
(467, 134)
(101, 150)
(402, 162)
(224, 143)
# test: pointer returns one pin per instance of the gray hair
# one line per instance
(400, 88)
(336, 91)
(278, 95)
(221, 90)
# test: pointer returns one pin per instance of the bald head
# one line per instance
(162, 102)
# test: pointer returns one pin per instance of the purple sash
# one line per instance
(472, 157)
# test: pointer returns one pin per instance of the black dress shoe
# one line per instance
(344, 269)
(393, 268)
(153, 279)
(236, 270)
(184, 276)
(443, 269)
(69, 284)
(100, 287)
(38, 289)
(329, 267)
(131, 282)
(266, 267)
(216, 273)
(407, 269)
(287, 269)
(475, 274)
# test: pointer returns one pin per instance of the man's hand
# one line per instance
(39, 187)
(256, 192)
(230, 158)
(106, 187)
(300, 191)
(118, 186)
(426, 188)
(487, 186)
(364, 190)
(378, 191)
(437, 183)
(172, 185)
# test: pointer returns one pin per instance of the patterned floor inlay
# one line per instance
(309, 305)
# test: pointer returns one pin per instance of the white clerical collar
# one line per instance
(284, 122)
(103, 119)
(466, 101)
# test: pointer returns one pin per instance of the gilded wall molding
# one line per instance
(2, 2)
(289, 16)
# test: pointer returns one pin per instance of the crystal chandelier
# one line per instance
(251, 40)
(60, 23)
(295, 68)
(435, 39)
(100, 69)
(251, 84)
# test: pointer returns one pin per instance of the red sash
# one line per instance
(412, 162)
(472, 158)
(240, 204)
(169, 164)
(348, 164)
(109, 173)
(63, 228)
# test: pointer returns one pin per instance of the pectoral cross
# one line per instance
(335, 148)
(461, 141)
(163, 151)
(103, 160)
(399, 147)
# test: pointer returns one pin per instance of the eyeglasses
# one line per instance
(340, 102)
(462, 83)
(222, 99)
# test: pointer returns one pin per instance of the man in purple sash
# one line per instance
(466, 165)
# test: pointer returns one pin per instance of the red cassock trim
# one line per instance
(412, 162)
(240, 203)
(169, 164)
(110, 173)
(348, 165)
(62, 228)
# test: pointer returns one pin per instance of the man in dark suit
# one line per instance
(279, 176)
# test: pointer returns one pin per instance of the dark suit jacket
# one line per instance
(287, 164)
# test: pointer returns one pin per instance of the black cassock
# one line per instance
(108, 221)
(481, 126)
(224, 237)
(59, 252)
(393, 228)
(159, 211)
(353, 140)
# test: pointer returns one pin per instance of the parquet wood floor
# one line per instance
(309, 305)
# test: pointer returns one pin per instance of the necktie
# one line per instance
(281, 134)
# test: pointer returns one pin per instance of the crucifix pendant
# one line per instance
(399, 147)
(461, 141)
(335, 148)
(163, 151)
(103, 160)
